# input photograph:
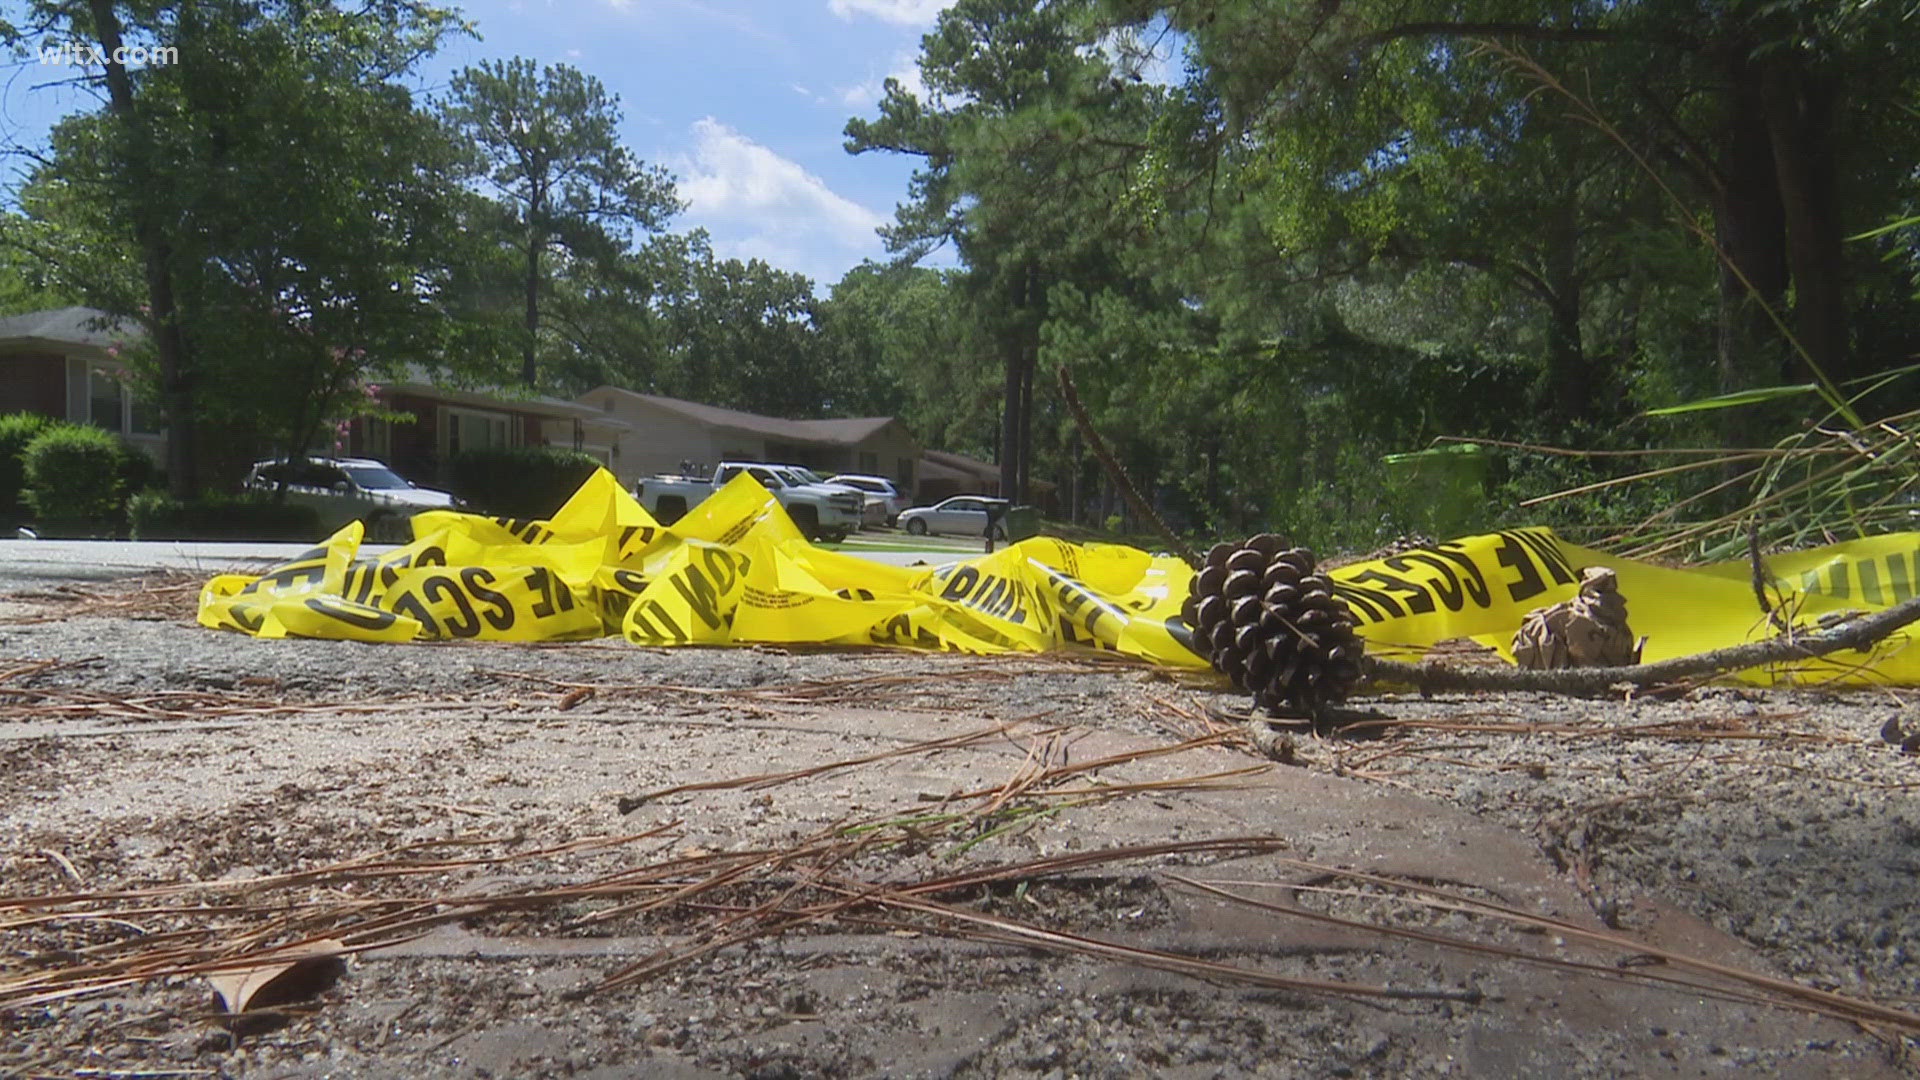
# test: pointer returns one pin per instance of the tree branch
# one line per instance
(1854, 634)
(1118, 473)
(1519, 30)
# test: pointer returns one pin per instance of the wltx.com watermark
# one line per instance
(84, 54)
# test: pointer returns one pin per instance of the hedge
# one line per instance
(73, 480)
(524, 482)
(156, 515)
(16, 431)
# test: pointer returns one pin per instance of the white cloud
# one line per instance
(757, 204)
(901, 12)
(905, 70)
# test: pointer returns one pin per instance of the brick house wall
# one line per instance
(35, 383)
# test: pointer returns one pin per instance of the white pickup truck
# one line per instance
(823, 511)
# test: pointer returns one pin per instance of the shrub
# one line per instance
(157, 515)
(16, 431)
(137, 470)
(73, 479)
(524, 482)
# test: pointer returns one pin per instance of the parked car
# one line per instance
(803, 475)
(822, 513)
(883, 496)
(351, 489)
(961, 515)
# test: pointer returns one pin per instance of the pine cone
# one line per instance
(1589, 630)
(1269, 621)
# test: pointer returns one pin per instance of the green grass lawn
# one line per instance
(893, 541)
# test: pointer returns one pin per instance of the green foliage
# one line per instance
(741, 335)
(1338, 231)
(279, 188)
(1756, 396)
(901, 341)
(73, 478)
(17, 430)
(158, 515)
(521, 482)
(545, 142)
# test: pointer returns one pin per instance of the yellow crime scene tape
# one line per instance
(736, 570)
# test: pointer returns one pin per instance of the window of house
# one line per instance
(143, 417)
(111, 404)
(472, 429)
(376, 439)
(869, 462)
(103, 402)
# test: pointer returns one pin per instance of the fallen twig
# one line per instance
(629, 803)
(1118, 473)
(1854, 634)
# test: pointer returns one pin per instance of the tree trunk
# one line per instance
(1030, 359)
(1750, 225)
(1572, 384)
(1799, 114)
(1010, 420)
(529, 372)
(1013, 414)
(156, 253)
(1071, 475)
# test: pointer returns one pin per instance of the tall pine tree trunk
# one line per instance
(1800, 108)
(529, 371)
(156, 256)
(1750, 225)
(1573, 384)
(1010, 419)
(1030, 361)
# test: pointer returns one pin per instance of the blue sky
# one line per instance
(743, 101)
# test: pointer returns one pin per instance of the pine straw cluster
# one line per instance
(814, 882)
(1267, 618)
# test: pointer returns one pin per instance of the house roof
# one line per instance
(941, 464)
(837, 432)
(930, 469)
(419, 380)
(847, 431)
(67, 328)
(93, 330)
(962, 464)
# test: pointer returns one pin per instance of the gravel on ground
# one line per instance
(1775, 831)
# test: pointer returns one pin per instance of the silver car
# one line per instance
(884, 501)
(351, 489)
(961, 515)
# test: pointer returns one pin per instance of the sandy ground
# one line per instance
(1719, 882)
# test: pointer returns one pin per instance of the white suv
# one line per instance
(350, 489)
(884, 500)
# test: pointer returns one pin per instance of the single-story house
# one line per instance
(65, 363)
(668, 435)
(943, 474)
(448, 419)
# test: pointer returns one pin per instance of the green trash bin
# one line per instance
(1441, 491)
(1021, 522)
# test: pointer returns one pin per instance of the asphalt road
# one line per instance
(29, 563)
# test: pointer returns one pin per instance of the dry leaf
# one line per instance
(302, 972)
